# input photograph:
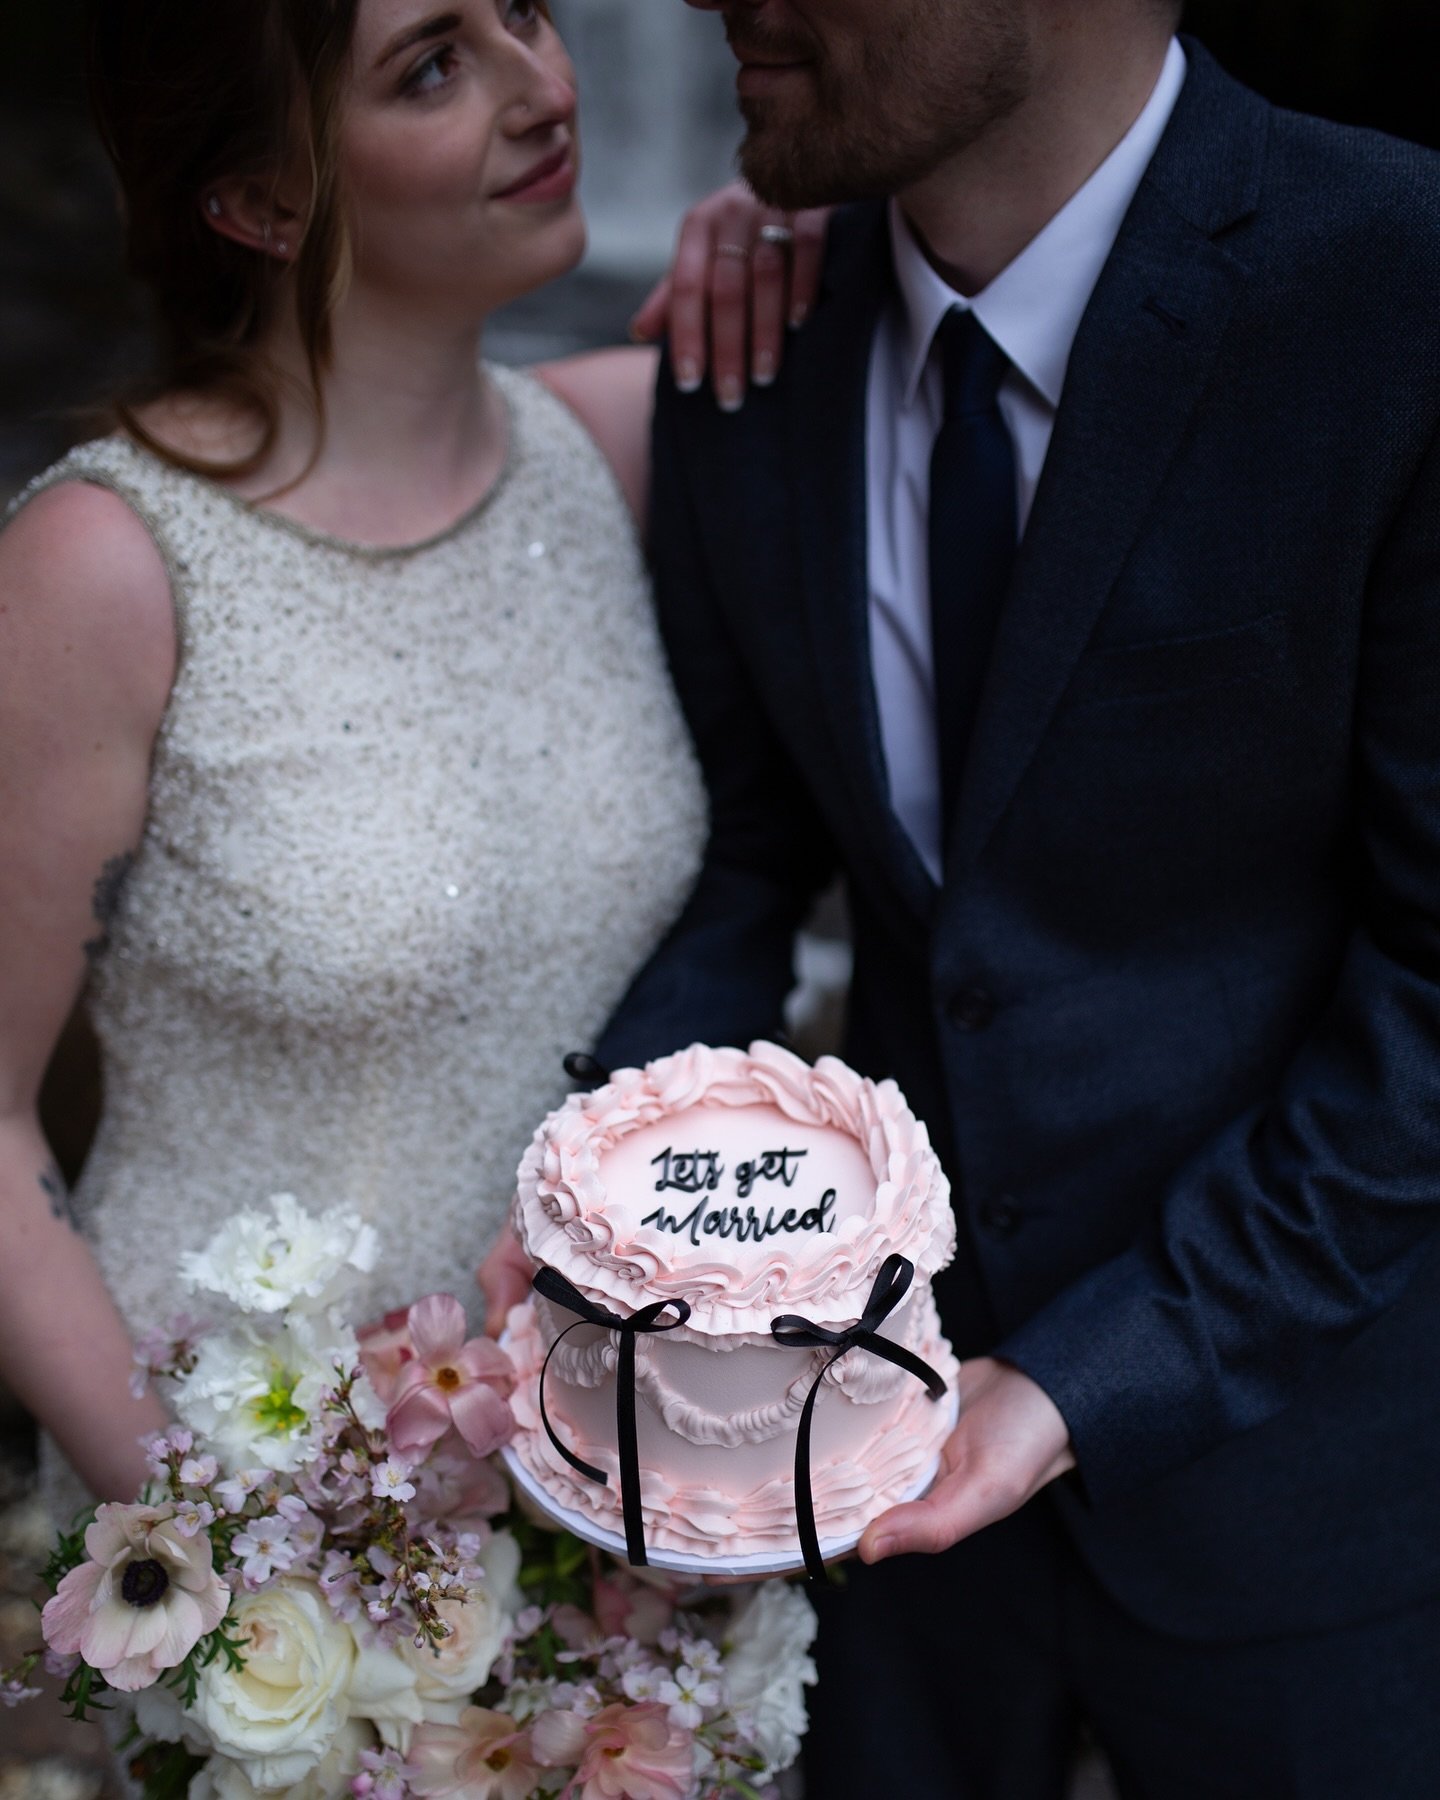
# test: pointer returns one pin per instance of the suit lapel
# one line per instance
(1139, 366)
(826, 465)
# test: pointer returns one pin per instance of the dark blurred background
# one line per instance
(659, 125)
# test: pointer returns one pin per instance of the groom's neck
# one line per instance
(975, 213)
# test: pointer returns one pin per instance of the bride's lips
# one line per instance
(552, 178)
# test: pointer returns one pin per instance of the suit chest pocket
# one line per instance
(1169, 668)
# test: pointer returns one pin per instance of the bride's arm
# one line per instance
(87, 656)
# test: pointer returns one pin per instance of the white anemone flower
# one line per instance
(254, 1395)
(285, 1259)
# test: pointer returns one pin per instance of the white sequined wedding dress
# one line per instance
(416, 818)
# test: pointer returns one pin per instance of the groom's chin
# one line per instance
(782, 162)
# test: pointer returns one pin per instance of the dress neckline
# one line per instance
(313, 534)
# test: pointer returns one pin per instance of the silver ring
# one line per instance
(740, 250)
(780, 235)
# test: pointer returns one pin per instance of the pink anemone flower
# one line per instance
(450, 1381)
(142, 1601)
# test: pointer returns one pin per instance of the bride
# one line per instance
(336, 745)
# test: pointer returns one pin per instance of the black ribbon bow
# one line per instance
(555, 1288)
(891, 1286)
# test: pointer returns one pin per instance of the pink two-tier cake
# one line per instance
(748, 1186)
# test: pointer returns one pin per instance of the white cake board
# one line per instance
(676, 1562)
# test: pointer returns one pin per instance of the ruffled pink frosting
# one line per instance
(693, 1511)
(562, 1217)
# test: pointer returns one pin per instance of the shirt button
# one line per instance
(1000, 1218)
(971, 1009)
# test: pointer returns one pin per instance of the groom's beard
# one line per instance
(874, 111)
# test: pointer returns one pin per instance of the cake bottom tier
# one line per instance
(717, 1420)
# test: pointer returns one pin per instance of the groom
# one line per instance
(1076, 593)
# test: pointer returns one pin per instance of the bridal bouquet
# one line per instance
(327, 1590)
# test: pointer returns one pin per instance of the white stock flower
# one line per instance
(767, 1665)
(277, 1717)
(283, 1259)
(160, 1716)
(254, 1393)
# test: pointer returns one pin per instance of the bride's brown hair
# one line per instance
(186, 95)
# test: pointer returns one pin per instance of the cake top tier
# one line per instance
(744, 1182)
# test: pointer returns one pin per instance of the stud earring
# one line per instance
(212, 206)
(282, 248)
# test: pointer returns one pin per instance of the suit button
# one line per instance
(1000, 1218)
(971, 1009)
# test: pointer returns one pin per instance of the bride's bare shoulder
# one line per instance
(612, 392)
(85, 599)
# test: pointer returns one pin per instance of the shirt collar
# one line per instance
(1033, 307)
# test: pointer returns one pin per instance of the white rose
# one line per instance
(279, 1715)
(446, 1677)
(222, 1779)
(285, 1259)
(767, 1665)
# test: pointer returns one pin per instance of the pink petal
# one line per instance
(414, 1375)
(112, 1531)
(437, 1328)
(68, 1613)
(435, 1752)
(482, 1418)
(483, 1360)
(184, 1627)
(418, 1419)
(558, 1739)
(214, 1604)
(131, 1674)
(118, 1631)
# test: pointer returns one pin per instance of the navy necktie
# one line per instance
(972, 536)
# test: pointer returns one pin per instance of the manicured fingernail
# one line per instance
(638, 333)
(731, 394)
(763, 372)
(687, 375)
(798, 316)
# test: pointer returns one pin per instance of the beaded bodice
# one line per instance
(416, 818)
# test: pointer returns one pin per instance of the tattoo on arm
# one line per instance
(105, 902)
(57, 1192)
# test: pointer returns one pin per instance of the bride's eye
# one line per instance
(432, 73)
(522, 14)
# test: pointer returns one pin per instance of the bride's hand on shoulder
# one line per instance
(736, 281)
(742, 272)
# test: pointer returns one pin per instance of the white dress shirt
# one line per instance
(1032, 310)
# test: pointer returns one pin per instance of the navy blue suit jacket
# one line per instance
(1173, 1016)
